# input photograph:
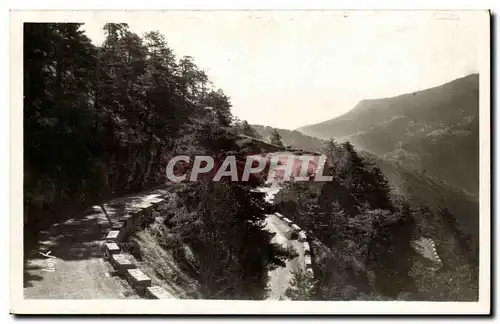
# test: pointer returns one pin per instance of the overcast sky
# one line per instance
(289, 68)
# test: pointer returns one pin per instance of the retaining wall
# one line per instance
(123, 225)
(126, 223)
(303, 239)
(436, 255)
(427, 248)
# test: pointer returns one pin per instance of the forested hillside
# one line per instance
(405, 180)
(421, 189)
(367, 188)
(362, 229)
(102, 121)
(425, 130)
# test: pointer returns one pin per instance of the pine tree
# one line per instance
(364, 179)
(276, 138)
(59, 65)
(245, 129)
(302, 286)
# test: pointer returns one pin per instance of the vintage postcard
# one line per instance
(250, 162)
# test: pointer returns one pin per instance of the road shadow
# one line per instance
(29, 278)
(119, 207)
(79, 237)
(75, 239)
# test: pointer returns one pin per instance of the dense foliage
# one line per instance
(243, 127)
(275, 138)
(361, 234)
(214, 231)
(101, 120)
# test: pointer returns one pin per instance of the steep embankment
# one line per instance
(446, 214)
(424, 190)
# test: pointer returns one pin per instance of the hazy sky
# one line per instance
(291, 68)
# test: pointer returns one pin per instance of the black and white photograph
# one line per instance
(320, 156)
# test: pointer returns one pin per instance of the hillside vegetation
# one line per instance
(101, 121)
(422, 189)
(434, 130)
(361, 229)
(406, 181)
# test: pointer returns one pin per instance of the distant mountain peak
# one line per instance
(432, 127)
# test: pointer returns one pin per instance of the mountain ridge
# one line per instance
(364, 104)
(425, 130)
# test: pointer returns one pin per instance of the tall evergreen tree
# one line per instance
(276, 138)
(302, 286)
(243, 127)
(365, 180)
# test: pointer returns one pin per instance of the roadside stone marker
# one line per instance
(126, 219)
(156, 201)
(111, 248)
(113, 236)
(121, 263)
(118, 225)
(138, 279)
(157, 292)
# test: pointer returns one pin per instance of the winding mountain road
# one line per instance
(67, 262)
(279, 278)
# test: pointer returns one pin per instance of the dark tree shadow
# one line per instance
(80, 236)
(75, 239)
(28, 277)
